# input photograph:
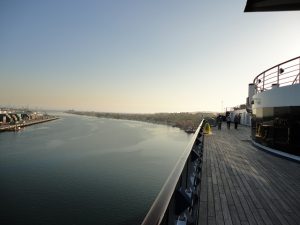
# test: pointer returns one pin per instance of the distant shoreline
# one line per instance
(187, 122)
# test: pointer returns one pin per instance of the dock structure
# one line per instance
(241, 184)
(15, 127)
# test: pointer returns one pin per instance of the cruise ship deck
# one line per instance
(243, 185)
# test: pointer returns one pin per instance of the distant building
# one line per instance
(5, 118)
(2, 118)
(245, 117)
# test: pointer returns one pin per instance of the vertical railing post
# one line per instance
(278, 73)
(187, 173)
(184, 175)
(171, 211)
(263, 81)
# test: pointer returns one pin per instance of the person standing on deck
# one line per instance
(228, 120)
(219, 121)
(236, 121)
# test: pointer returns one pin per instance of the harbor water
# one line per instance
(85, 170)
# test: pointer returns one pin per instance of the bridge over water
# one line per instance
(239, 184)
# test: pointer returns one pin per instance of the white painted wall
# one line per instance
(245, 117)
(278, 97)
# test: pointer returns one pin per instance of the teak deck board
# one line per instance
(243, 185)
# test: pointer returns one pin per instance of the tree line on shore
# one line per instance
(183, 120)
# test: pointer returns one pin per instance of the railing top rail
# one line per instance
(274, 67)
(160, 205)
(276, 72)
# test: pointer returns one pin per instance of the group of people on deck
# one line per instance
(236, 121)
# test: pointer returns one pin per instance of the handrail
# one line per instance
(159, 207)
(277, 74)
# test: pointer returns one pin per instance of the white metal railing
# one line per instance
(283, 74)
(178, 200)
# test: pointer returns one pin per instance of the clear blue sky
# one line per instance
(138, 56)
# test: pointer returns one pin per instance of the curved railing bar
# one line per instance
(159, 207)
(276, 74)
(292, 66)
(281, 79)
(270, 78)
(274, 67)
(290, 71)
(287, 77)
(269, 74)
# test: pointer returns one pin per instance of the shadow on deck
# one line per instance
(243, 185)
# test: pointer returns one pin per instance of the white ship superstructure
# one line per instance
(274, 98)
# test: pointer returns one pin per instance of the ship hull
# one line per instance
(276, 119)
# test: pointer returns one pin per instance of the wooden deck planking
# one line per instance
(243, 185)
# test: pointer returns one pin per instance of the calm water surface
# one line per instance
(85, 170)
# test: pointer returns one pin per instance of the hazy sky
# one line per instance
(138, 56)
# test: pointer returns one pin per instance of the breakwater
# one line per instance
(16, 127)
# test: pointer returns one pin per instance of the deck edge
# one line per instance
(276, 152)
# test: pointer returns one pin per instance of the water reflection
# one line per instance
(85, 170)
